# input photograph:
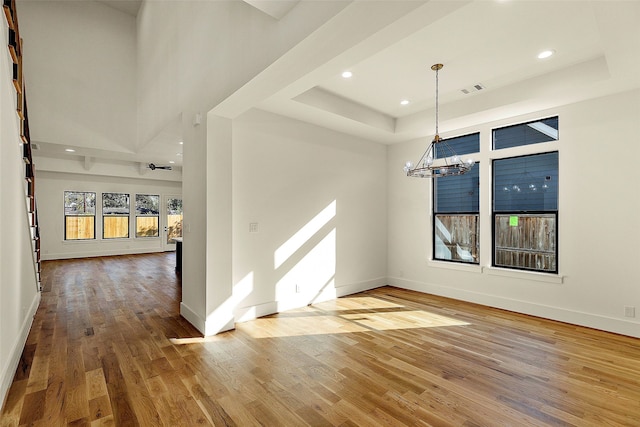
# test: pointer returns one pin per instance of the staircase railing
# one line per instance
(15, 52)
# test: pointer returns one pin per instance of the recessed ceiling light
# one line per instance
(69, 150)
(404, 102)
(178, 154)
(347, 74)
(545, 54)
(171, 161)
(180, 142)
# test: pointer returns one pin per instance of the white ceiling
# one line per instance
(493, 43)
(489, 42)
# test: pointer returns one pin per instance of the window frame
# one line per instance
(519, 151)
(460, 213)
(127, 216)
(65, 215)
(458, 149)
(521, 214)
(170, 230)
(528, 144)
(477, 238)
(156, 215)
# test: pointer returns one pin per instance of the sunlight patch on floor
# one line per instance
(356, 303)
(272, 327)
(195, 340)
(402, 320)
(332, 317)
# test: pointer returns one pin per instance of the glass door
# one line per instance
(173, 221)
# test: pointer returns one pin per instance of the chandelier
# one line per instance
(448, 163)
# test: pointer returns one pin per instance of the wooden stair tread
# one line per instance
(7, 15)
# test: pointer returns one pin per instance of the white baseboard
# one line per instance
(589, 320)
(17, 347)
(192, 317)
(354, 288)
(211, 326)
(91, 254)
(244, 314)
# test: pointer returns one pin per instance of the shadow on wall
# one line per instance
(307, 277)
(305, 266)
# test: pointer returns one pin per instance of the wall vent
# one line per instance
(475, 88)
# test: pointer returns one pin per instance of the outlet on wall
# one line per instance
(297, 288)
(629, 312)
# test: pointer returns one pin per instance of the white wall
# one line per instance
(598, 233)
(79, 63)
(191, 56)
(19, 297)
(318, 198)
(194, 54)
(50, 194)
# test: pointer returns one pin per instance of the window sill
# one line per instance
(458, 266)
(113, 240)
(496, 271)
(525, 275)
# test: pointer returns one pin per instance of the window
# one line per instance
(147, 215)
(525, 199)
(79, 215)
(174, 218)
(115, 215)
(456, 201)
(525, 211)
(535, 132)
(466, 144)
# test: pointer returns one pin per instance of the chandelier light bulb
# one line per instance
(408, 166)
(428, 161)
(455, 160)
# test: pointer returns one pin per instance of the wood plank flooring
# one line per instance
(108, 347)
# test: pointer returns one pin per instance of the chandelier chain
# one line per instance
(437, 96)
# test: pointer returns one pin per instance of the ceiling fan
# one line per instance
(154, 167)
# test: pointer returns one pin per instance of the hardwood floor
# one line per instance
(108, 347)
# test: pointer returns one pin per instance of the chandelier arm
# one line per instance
(424, 155)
